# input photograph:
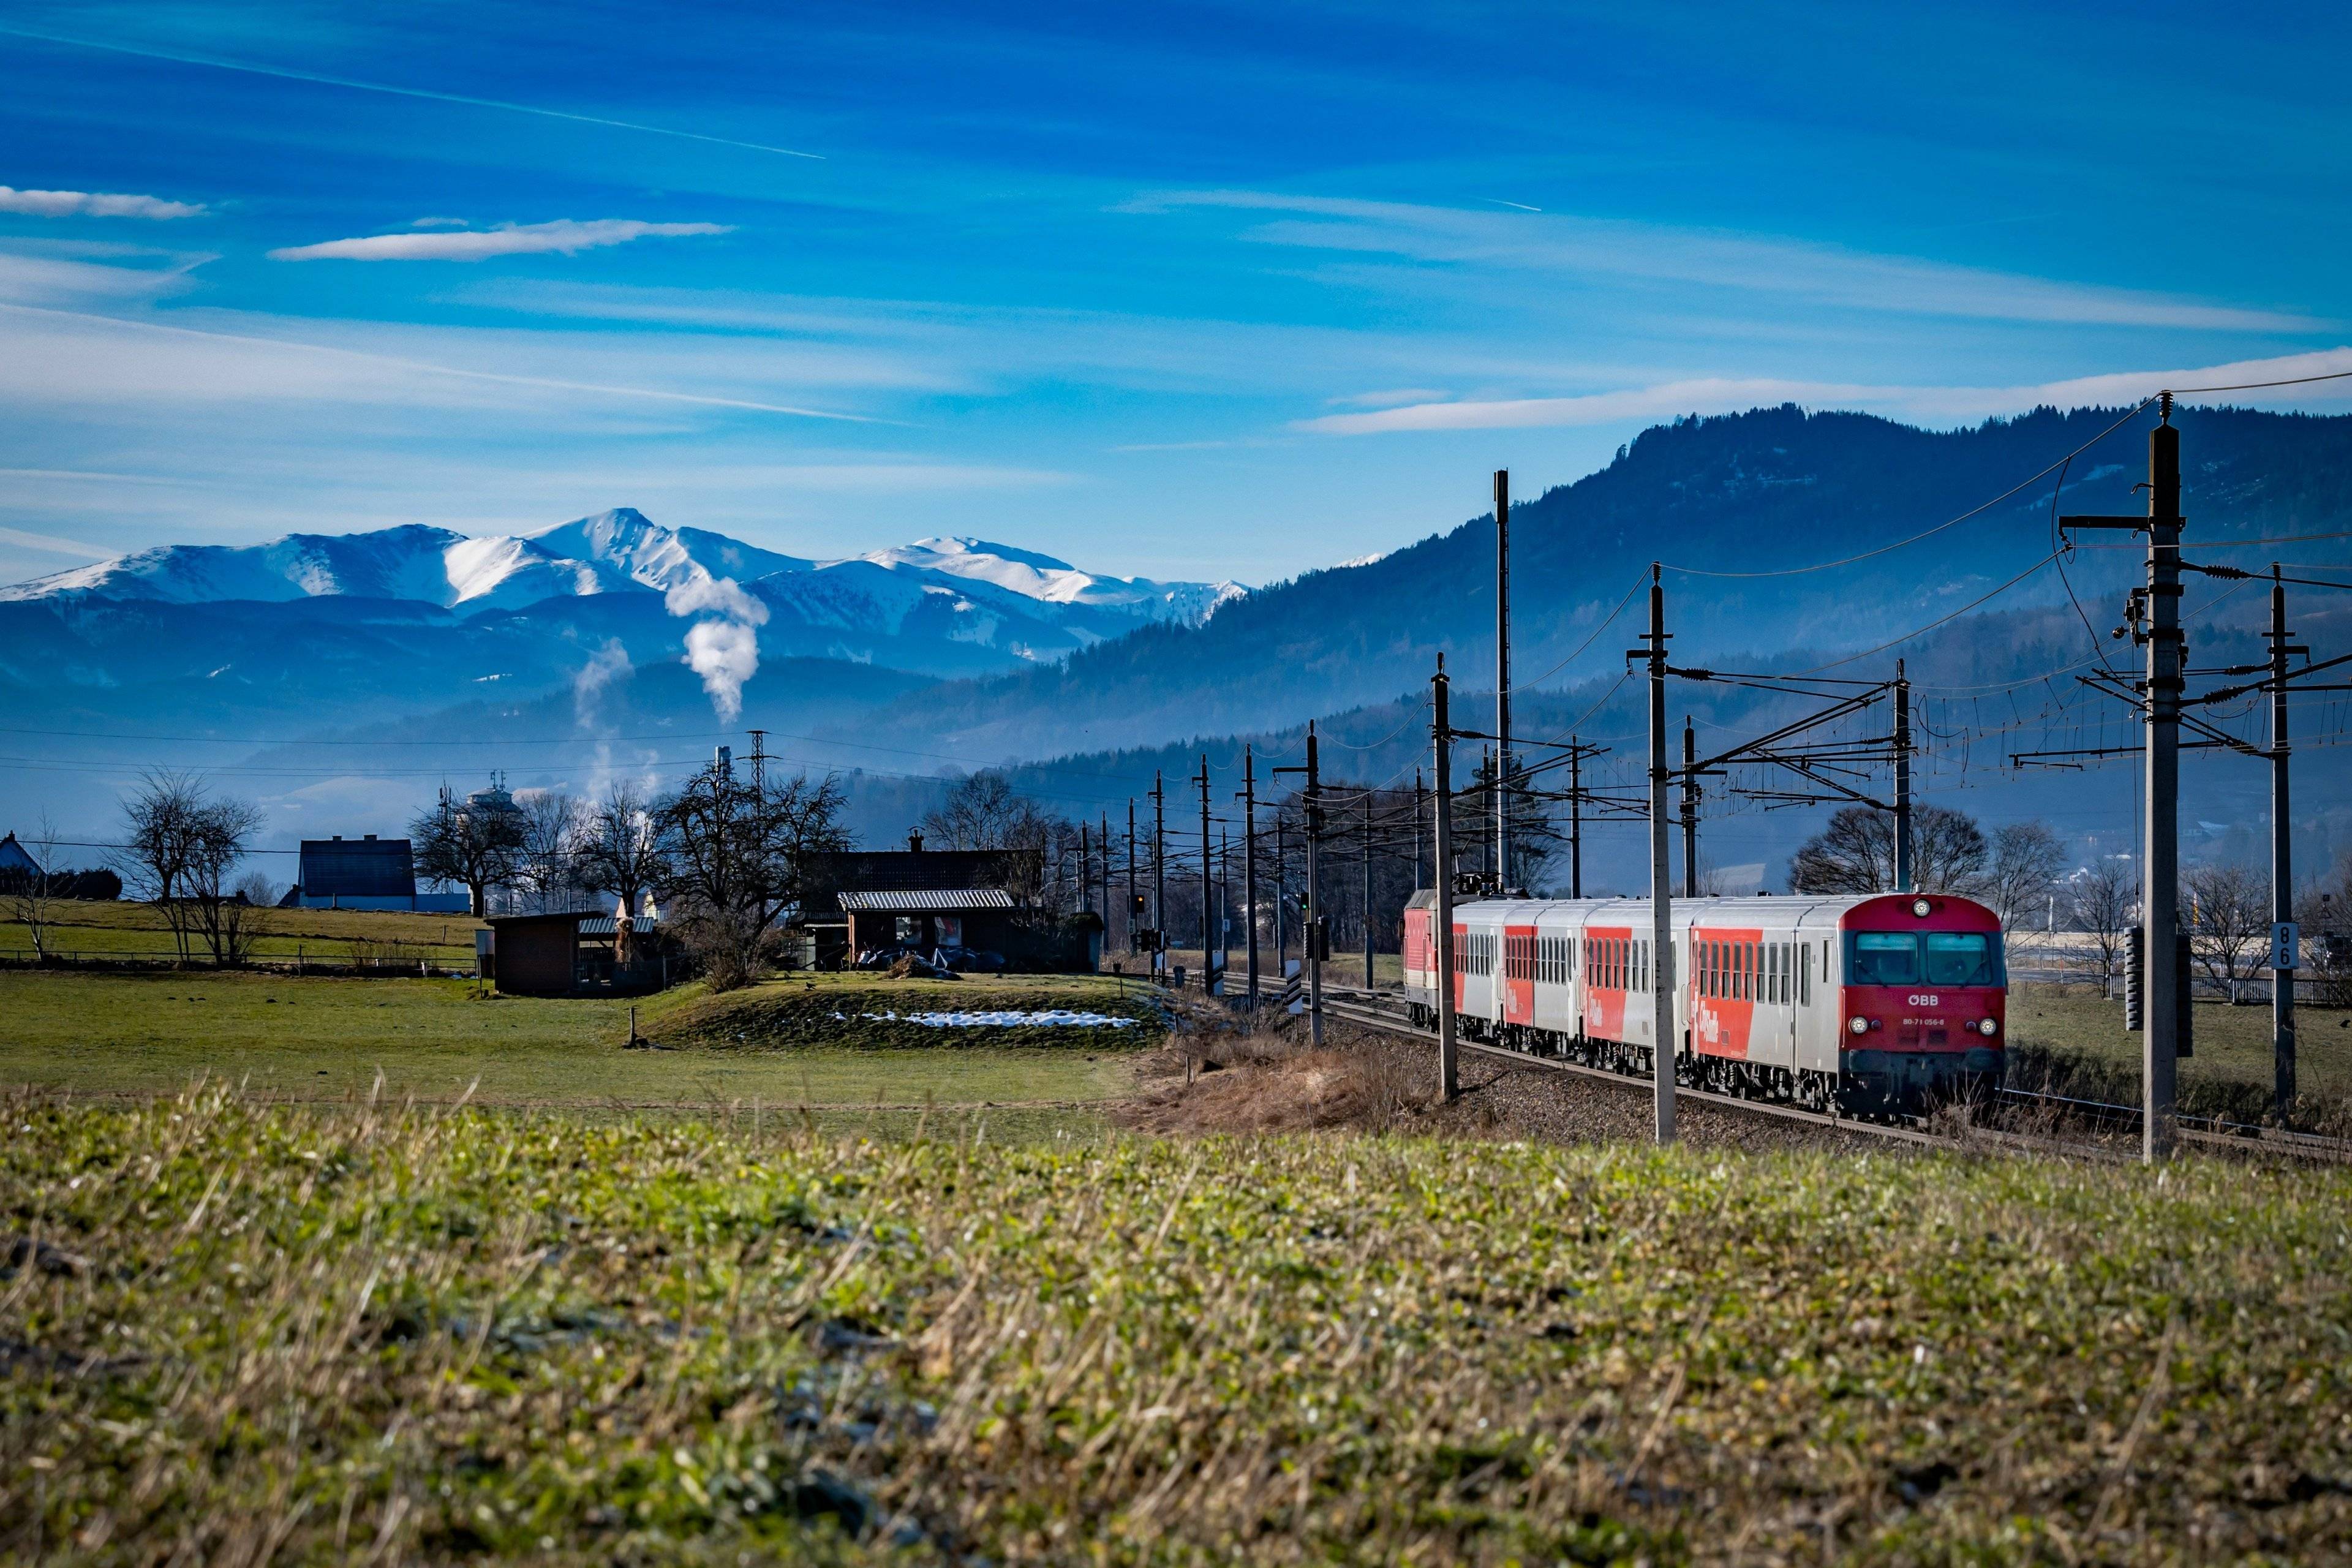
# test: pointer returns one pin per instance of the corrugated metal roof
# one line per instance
(921, 902)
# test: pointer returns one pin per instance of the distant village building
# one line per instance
(364, 873)
(934, 902)
(14, 857)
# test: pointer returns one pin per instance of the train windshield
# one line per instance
(1917, 958)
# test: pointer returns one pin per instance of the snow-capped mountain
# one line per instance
(624, 551)
(1035, 576)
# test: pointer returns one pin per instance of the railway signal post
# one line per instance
(1449, 1081)
(1665, 1046)
(2160, 858)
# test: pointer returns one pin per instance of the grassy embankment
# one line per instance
(407, 1334)
(439, 1041)
(126, 928)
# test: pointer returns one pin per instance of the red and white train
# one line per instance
(1873, 1003)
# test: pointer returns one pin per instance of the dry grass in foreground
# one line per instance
(231, 1334)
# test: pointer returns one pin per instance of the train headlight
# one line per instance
(1921, 907)
(1989, 1027)
(1858, 1024)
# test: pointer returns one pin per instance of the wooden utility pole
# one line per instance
(1449, 1084)
(2157, 624)
(1130, 874)
(1504, 773)
(2283, 957)
(1666, 1037)
(1281, 890)
(1249, 863)
(1085, 872)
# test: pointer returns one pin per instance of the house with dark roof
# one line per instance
(932, 900)
(365, 873)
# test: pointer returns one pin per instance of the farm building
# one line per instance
(364, 873)
(932, 900)
(14, 857)
(577, 953)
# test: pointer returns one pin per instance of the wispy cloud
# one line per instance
(1714, 258)
(93, 204)
(181, 57)
(564, 235)
(1725, 395)
(1386, 399)
(49, 543)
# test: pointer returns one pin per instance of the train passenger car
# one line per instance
(1882, 1001)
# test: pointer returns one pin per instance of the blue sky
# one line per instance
(1181, 290)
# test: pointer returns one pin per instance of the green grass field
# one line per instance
(124, 928)
(397, 1335)
(322, 1038)
(2231, 1073)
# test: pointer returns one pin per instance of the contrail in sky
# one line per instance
(1501, 203)
(428, 367)
(187, 59)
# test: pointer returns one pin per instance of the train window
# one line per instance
(1884, 958)
(1961, 958)
(1805, 977)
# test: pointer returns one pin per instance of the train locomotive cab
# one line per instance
(1922, 1010)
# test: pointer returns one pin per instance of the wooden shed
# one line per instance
(577, 953)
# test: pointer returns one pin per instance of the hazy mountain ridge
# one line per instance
(1745, 498)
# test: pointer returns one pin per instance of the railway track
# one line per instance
(1371, 1010)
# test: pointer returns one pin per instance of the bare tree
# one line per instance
(1855, 852)
(738, 855)
(2229, 920)
(473, 846)
(985, 812)
(30, 894)
(2102, 903)
(619, 848)
(229, 925)
(551, 823)
(256, 888)
(2021, 880)
(159, 835)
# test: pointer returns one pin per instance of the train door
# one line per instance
(1607, 953)
(1724, 983)
(1517, 983)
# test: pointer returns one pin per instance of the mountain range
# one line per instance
(1789, 540)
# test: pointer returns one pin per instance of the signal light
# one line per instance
(1921, 908)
